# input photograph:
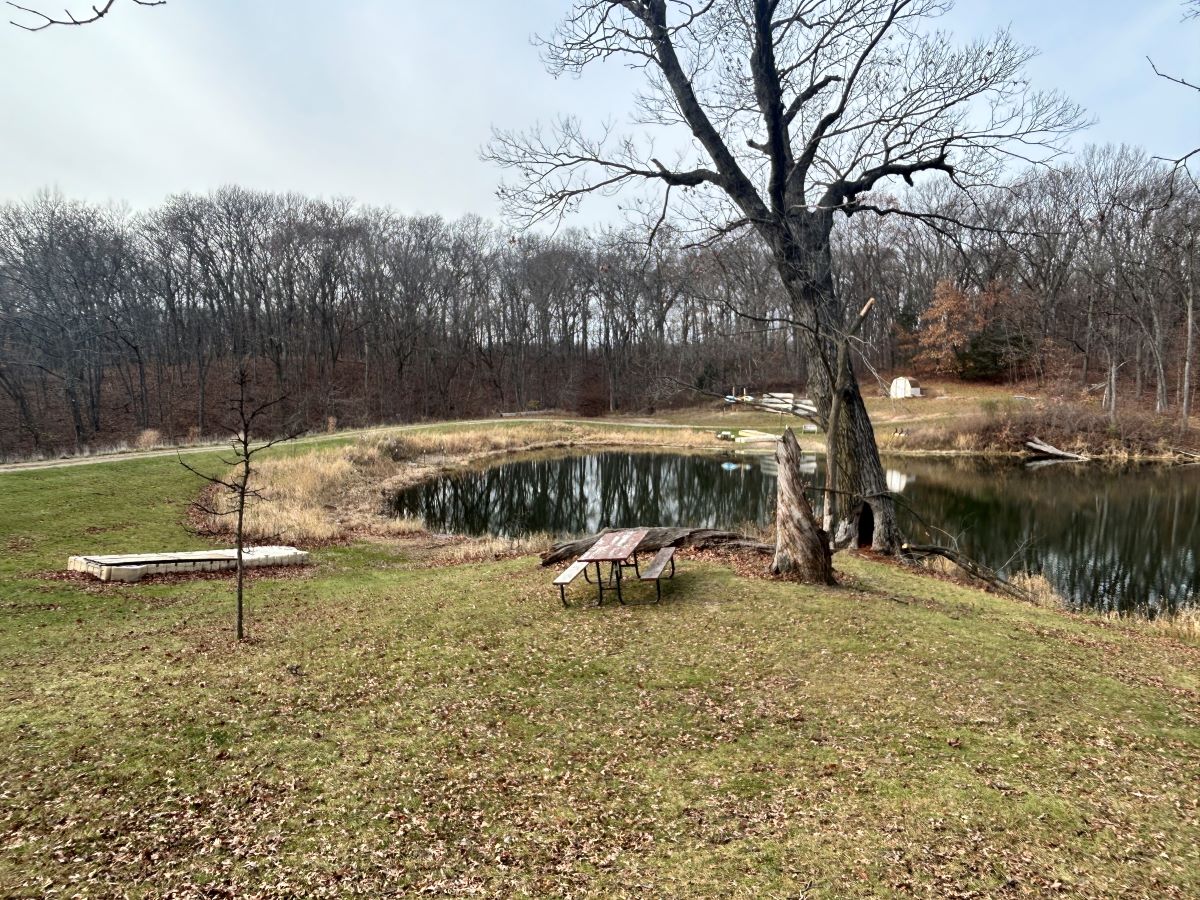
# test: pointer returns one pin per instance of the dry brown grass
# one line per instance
(302, 496)
(410, 445)
(491, 548)
(296, 491)
(1002, 425)
(148, 439)
(328, 494)
(1183, 625)
(1039, 590)
(401, 526)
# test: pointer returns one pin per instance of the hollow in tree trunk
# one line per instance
(801, 545)
(804, 260)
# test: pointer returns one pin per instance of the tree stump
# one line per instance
(801, 545)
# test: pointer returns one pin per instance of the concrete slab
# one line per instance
(135, 566)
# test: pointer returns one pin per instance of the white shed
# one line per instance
(903, 386)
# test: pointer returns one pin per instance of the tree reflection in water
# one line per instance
(1125, 539)
(582, 494)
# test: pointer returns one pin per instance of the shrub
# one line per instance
(591, 405)
(148, 439)
(592, 398)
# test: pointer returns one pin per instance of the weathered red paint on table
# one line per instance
(615, 546)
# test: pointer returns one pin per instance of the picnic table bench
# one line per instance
(619, 549)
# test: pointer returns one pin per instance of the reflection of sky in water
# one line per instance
(1105, 537)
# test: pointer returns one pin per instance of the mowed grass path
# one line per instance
(395, 727)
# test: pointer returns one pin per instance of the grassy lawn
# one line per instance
(395, 726)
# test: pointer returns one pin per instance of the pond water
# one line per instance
(1124, 539)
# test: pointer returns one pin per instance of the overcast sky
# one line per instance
(389, 102)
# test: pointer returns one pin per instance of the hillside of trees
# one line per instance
(113, 322)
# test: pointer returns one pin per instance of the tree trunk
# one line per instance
(801, 545)
(803, 257)
(1111, 392)
(240, 534)
(1087, 344)
(1185, 402)
(1137, 374)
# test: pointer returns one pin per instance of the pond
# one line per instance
(1123, 539)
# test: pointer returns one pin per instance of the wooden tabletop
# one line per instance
(615, 546)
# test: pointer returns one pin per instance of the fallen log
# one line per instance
(1043, 449)
(657, 538)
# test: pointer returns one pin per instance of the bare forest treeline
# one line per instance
(113, 323)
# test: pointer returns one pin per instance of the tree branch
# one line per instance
(97, 13)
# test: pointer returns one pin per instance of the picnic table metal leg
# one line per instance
(658, 582)
(618, 567)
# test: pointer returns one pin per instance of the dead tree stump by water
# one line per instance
(801, 545)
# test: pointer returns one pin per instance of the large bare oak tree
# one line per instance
(797, 110)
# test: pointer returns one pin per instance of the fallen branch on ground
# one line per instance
(1044, 449)
(971, 567)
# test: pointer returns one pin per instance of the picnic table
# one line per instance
(619, 549)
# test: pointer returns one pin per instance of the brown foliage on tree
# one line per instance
(946, 328)
(971, 333)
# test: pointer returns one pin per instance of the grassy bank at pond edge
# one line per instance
(394, 725)
(981, 419)
(331, 493)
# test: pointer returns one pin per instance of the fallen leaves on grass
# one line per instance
(251, 573)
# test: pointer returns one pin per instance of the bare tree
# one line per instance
(95, 14)
(1191, 11)
(797, 111)
(112, 323)
(246, 416)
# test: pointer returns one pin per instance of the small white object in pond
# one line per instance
(135, 566)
